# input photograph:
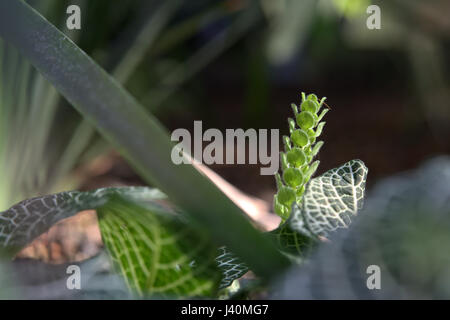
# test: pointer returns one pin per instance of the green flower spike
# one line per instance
(300, 148)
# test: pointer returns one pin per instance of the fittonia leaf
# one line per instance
(156, 250)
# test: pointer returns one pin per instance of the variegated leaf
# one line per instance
(232, 267)
(403, 232)
(157, 252)
(291, 242)
(28, 219)
(331, 200)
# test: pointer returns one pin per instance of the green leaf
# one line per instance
(322, 114)
(292, 242)
(316, 148)
(231, 266)
(403, 229)
(310, 104)
(28, 219)
(312, 169)
(157, 252)
(134, 132)
(319, 129)
(286, 196)
(331, 200)
(328, 203)
(300, 138)
(305, 120)
(296, 157)
(293, 177)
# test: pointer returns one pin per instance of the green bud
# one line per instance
(296, 157)
(312, 97)
(300, 138)
(300, 149)
(293, 177)
(286, 196)
(305, 120)
(310, 105)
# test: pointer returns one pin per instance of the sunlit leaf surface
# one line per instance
(331, 200)
(158, 253)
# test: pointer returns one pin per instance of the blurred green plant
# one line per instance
(40, 159)
(157, 250)
(134, 132)
(351, 8)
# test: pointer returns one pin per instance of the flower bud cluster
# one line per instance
(300, 148)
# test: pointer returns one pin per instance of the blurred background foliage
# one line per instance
(236, 64)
